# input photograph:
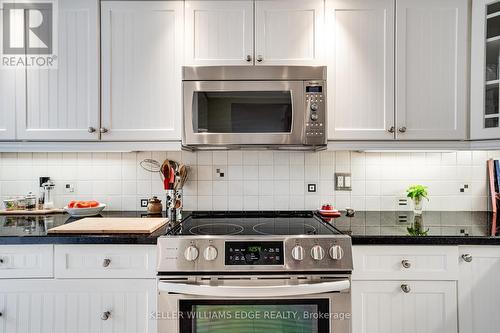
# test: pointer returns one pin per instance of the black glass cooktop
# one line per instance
(253, 223)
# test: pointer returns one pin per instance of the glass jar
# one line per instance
(30, 201)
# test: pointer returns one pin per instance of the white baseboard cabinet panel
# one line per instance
(404, 306)
(77, 306)
(479, 289)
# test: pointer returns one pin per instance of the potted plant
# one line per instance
(417, 193)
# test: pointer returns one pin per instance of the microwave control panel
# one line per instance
(315, 129)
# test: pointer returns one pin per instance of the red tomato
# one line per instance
(82, 204)
(72, 204)
(93, 203)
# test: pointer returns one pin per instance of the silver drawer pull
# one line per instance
(467, 257)
(405, 288)
(106, 262)
(106, 315)
(406, 263)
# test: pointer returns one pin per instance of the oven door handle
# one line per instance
(254, 291)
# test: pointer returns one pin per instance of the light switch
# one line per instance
(342, 181)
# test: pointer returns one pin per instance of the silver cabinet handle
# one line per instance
(260, 58)
(91, 129)
(392, 129)
(467, 257)
(405, 288)
(406, 263)
(248, 58)
(402, 129)
(106, 262)
(105, 315)
(103, 129)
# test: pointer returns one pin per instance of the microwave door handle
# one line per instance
(254, 291)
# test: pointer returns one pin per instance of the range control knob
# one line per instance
(314, 107)
(317, 252)
(210, 253)
(314, 116)
(191, 253)
(336, 252)
(298, 252)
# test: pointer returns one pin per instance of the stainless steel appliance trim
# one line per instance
(242, 73)
(281, 290)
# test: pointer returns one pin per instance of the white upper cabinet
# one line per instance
(8, 88)
(141, 70)
(360, 35)
(431, 69)
(289, 32)
(219, 32)
(63, 103)
(485, 52)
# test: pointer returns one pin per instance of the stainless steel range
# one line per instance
(247, 271)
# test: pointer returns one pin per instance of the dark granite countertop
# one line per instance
(433, 228)
(365, 228)
(33, 230)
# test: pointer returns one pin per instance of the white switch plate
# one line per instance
(343, 181)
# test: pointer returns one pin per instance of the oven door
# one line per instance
(255, 305)
(240, 113)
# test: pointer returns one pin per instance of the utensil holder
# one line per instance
(174, 205)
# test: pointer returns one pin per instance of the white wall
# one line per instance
(257, 180)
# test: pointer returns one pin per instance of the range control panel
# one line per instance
(273, 253)
(315, 130)
(254, 253)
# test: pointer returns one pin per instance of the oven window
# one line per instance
(254, 316)
(242, 112)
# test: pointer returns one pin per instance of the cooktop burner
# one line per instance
(252, 223)
(216, 229)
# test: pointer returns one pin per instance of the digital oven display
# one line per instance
(254, 253)
(314, 89)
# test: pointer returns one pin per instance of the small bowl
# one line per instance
(84, 212)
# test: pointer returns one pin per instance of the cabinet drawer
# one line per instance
(26, 261)
(100, 261)
(405, 262)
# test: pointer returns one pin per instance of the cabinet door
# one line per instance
(141, 70)
(63, 103)
(77, 306)
(478, 290)
(219, 32)
(9, 86)
(289, 32)
(485, 51)
(431, 69)
(383, 307)
(360, 69)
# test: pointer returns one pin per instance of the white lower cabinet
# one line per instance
(404, 306)
(77, 306)
(479, 290)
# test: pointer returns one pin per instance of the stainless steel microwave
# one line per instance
(275, 107)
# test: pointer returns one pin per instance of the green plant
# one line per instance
(417, 192)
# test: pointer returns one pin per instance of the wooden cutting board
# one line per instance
(32, 212)
(121, 225)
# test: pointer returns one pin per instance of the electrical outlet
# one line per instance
(144, 203)
(402, 202)
(343, 181)
(69, 188)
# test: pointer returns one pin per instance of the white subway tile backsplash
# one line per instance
(258, 180)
